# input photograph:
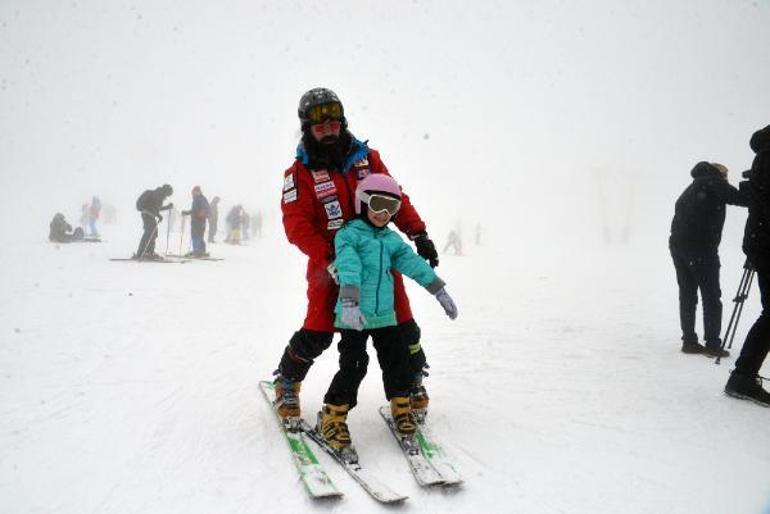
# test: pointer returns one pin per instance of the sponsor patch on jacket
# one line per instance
(290, 196)
(334, 224)
(288, 182)
(333, 210)
(320, 176)
(330, 198)
(325, 189)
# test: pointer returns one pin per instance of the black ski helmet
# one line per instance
(317, 96)
(167, 189)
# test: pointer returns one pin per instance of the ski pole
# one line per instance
(740, 297)
(168, 230)
(181, 233)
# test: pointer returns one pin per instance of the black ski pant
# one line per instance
(757, 342)
(303, 348)
(197, 231)
(306, 345)
(147, 242)
(392, 354)
(699, 270)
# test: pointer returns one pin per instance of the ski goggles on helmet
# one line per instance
(381, 203)
(329, 111)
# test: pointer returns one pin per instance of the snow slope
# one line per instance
(132, 388)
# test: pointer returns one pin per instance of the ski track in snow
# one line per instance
(132, 388)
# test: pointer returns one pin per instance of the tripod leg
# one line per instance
(737, 300)
(740, 310)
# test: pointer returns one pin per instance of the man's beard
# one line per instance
(329, 139)
(323, 154)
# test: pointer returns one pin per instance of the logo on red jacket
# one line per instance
(290, 196)
(333, 210)
(335, 224)
(320, 176)
(288, 182)
(325, 189)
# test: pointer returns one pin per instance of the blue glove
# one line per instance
(351, 314)
(447, 303)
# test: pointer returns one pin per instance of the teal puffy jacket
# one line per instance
(365, 255)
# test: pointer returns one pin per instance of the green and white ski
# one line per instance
(427, 460)
(312, 474)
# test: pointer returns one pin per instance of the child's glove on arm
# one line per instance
(351, 314)
(447, 303)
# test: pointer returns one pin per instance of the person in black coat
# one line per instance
(59, 230)
(149, 204)
(744, 381)
(199, 212)
(696, 232)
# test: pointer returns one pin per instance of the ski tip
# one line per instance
(328, 497)
(393, 501)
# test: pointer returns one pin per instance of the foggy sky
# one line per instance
(500, 112)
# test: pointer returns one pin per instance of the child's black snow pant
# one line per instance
(392, 354)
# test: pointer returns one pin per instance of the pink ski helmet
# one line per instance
(379, 183)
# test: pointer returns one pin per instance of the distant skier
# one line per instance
(245, 225)
(199, 213)
(213, 218)
(696, 232)
(744, 381)
(84, 216)
(317, 199)
(93, 214)
(256, 224)
(61, 232)
(454, 242)
(149, 204)
(366, 250)
(234, 219)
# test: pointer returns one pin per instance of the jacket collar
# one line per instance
(358, 151)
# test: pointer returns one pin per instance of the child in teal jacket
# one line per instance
(366, 251)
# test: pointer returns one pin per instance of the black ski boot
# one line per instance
(715, 350)
(747, 387)
(692, 347)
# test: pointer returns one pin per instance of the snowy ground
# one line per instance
(132, 388)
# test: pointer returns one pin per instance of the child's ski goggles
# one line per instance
(319, 113)
(381, 203)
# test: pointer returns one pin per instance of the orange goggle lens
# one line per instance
(319, 113)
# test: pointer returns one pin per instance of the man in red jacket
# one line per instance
(318, 197)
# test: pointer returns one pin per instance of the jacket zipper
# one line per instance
(379, 282)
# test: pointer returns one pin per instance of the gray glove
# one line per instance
(351, 314)
(447, 303)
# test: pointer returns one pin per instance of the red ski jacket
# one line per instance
(316, 203)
